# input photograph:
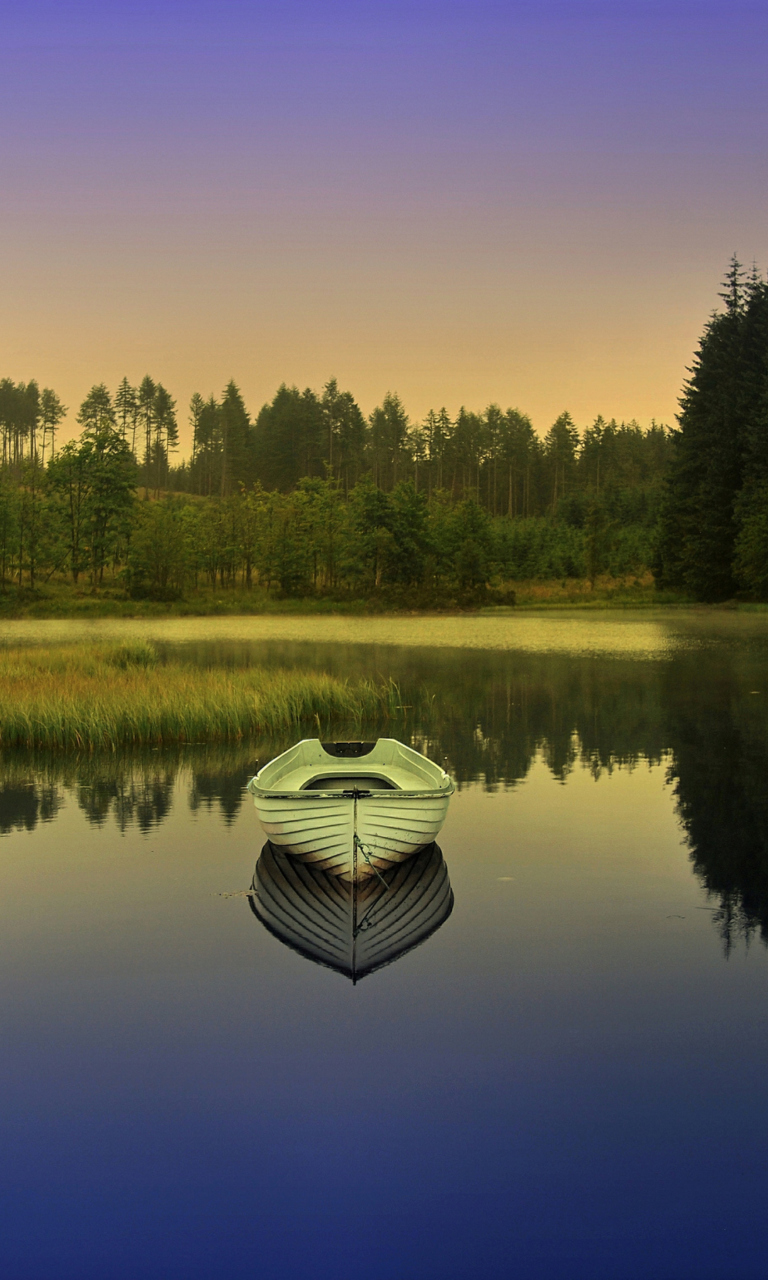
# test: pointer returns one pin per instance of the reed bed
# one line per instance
(90, 697)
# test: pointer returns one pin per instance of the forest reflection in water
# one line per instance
(487, 716)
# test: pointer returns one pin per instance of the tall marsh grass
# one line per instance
(107, 696)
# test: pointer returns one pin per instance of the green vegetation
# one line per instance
(103, 696)
(310, 503)
(713, 539)
(61, 600)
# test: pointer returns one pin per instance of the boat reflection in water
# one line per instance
(354, 927)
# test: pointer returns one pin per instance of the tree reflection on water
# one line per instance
(132, 788)
(487, 716)
(718, 739)
(26, 800)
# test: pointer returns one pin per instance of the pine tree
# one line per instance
(519, 442)
(32, 416)
(290, 439)
(126, 404)
(345, 428)
(146, 417)
(237, 441)
(196, 406)
(96, 413)
(560, 448)
(389, 435)
(51, 413)
(166, 434)
(206, 466)
(751, 508)
(698, 524)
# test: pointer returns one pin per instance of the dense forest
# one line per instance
(310, 496)
(313, 497)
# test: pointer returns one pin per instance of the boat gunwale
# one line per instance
(353, 793)
(442, 785)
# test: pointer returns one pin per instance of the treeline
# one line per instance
(713, 537)
(420, 515)
(494, 457)
(29, 420)
(314, 495)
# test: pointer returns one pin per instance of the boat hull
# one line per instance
(353, 809)
(352, 836)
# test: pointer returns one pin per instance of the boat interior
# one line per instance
(385, 765)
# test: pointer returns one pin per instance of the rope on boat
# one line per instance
(366, 851)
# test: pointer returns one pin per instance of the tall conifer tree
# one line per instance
(720, 414)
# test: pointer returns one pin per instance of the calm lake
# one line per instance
(567, 1078)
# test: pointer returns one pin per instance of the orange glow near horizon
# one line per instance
(381, 201)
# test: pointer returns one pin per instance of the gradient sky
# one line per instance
(524, 203)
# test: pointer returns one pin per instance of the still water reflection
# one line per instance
(354, 928)
(488, 717)
(559, 1071)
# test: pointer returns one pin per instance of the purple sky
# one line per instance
(526, 203)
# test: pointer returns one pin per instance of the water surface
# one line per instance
(565, 1078)
(635, 632)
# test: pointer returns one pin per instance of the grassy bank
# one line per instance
(106, 696)
(62, 600)
(631, 592)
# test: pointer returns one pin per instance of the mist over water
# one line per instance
(562, 1074)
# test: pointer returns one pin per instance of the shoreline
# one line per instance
(98, 609)
(64, 600)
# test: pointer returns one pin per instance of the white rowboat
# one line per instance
(351, 808)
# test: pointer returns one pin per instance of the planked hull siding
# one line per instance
(354, 928)
(321, 830)
(352, 809)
